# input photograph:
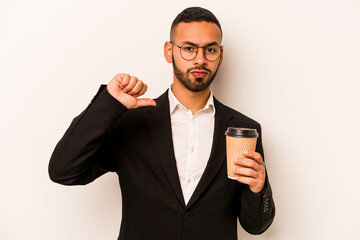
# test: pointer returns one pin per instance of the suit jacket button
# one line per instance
(185, 215)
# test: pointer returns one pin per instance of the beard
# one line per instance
(199, 84)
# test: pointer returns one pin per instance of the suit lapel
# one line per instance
(159, 123)
(218, 152)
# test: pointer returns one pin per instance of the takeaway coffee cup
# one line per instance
(237, 141)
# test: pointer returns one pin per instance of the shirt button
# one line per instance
(189, 180)
(192, 149)
(193, 120)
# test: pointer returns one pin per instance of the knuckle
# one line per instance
(249, 162)
(135, 79)
(125, 80)
(253, 165)
(241, 161)
(122, 76)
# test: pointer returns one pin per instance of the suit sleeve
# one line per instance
(257, 210)
(87, 149)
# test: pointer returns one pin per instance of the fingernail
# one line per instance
(234, 170)
(235, 160)
(246, 152)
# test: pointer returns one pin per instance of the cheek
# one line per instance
(213, 67)
(181, 64)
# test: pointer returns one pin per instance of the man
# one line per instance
(169, 153)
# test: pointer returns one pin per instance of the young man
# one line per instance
(169, 153)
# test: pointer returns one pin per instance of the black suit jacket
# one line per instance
(137, 145)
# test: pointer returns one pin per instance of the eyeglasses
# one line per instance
(189, 51)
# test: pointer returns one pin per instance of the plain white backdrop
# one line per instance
(294, 66)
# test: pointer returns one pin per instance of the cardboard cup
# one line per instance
(237, 141)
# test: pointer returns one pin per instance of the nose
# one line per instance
(200, 57)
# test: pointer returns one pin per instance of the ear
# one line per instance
(168, 51)
(221, 55)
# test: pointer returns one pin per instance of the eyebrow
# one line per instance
(208, 44)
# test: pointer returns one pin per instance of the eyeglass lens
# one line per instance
(189, 52)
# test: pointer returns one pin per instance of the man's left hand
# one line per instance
(250, 170)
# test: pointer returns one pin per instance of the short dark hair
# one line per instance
(194, 14)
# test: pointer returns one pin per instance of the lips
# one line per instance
(199, 74)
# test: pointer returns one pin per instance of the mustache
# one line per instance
(198, 68)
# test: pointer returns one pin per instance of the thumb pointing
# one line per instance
(142, 102)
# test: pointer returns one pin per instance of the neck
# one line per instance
(194, 101)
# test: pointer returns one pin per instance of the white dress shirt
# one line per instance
(192, 138)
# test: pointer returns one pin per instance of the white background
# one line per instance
(294, 66)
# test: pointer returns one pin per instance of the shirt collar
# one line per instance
(174, 103)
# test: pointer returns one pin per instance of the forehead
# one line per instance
(197, 32)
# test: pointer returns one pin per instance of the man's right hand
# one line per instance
(126, 89)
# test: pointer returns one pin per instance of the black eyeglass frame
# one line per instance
(203, 47)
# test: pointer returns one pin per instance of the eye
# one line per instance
(211, 50)
(188, 48)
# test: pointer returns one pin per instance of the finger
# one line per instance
(254, 155)
(246, 172)
(132, 82)
(246, 180)
(118, 78)
(117, 81)
(143, 90)
(142, 102)
(247, 162)
(137, 88)
(125, 79)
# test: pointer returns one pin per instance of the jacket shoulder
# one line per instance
(235, 116)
